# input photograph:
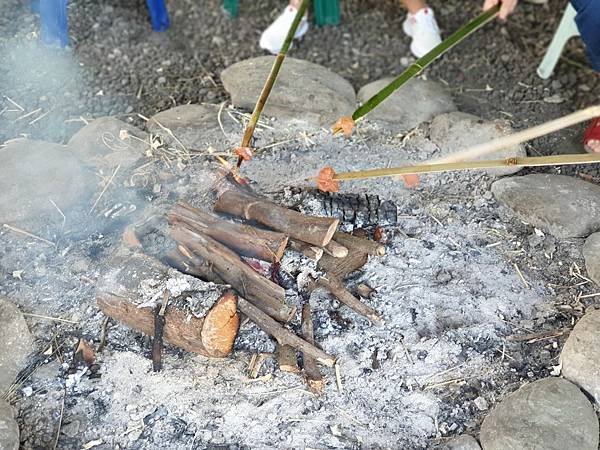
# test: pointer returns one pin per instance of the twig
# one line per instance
(219, 118)
(24, 116)
(56, 319)
(105, 188)
(39, 117)
(523, 280)
(159, 326)
(14, 103)
(103, 334)
(313, 376)
(59, 211)
(60, 419)
(27, 233)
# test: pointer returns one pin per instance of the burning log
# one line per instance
(225, 263)
(181, 329)
(239, 201)
(282, 335)
(336, 288)
(246, 240)
(315, 381)
(310, 251)
(287, 359)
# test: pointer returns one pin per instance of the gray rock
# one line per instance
(463, 442)
(457, 131)
(591, 254)
(16, 344)
(304, 91)
(560, 205)
(35, 172)
(108, 141)
(9, 430)
(549, 414)
(195, 126)
(580, 357)
(416, 102)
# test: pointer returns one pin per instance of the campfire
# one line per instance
(240, 245)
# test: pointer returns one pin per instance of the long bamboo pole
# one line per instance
(266, 90)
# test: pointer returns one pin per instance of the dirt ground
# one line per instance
(461, 275)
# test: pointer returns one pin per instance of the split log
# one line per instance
(245, 240)
(365, 245)
(335, 287)
(180, 328)
(310, 251)
(335, 249)
(282, 335)
(225, 263)
(287, 360)
(315, 381)
(341, 267)
(241, 202)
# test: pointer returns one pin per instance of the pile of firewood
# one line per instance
(213, 248)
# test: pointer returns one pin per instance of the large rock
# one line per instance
(195, 126)
(416, 102)
(457, 131)
(16, 344)
(591, 254)
(549, 414)
(304, 91)
(560, 205)
(580, 357)
(35, 172)
(108, 141)
(463, 442)
(9, 430)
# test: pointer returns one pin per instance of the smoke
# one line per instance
(41, 88)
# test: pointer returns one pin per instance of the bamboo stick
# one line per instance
(530, 161)
(264, 95)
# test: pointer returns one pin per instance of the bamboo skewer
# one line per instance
(531, 161)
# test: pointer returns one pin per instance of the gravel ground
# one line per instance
(118, 66)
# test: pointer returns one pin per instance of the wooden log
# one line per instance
(287, 360)
(335, 287)
(282, 335)
(310, 251)
(240, 202)
(353, 242)
(245, 240)
(335, 249)
(342, 267)
(314, 379)
(262, 292)
(185, 261)
(180, 328)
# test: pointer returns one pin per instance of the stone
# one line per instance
(304, 92)
(16, 344)
(107, 142)
(195, 126)
(463, 442)
(580, 356)
(416, 102)
(9, 430)
(591, 254)
(456, 131)
(549, 414)
(35, 172)
(563, 206)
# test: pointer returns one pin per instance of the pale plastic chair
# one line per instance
(566, 30)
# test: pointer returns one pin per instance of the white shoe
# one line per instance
(272, 38)
(424, 31)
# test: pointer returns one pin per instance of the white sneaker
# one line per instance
(272, 38)
(424, 31)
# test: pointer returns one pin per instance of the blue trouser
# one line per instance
(588, 22)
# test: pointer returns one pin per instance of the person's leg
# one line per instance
(414, 6)
(272, 38)
(420, 24)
